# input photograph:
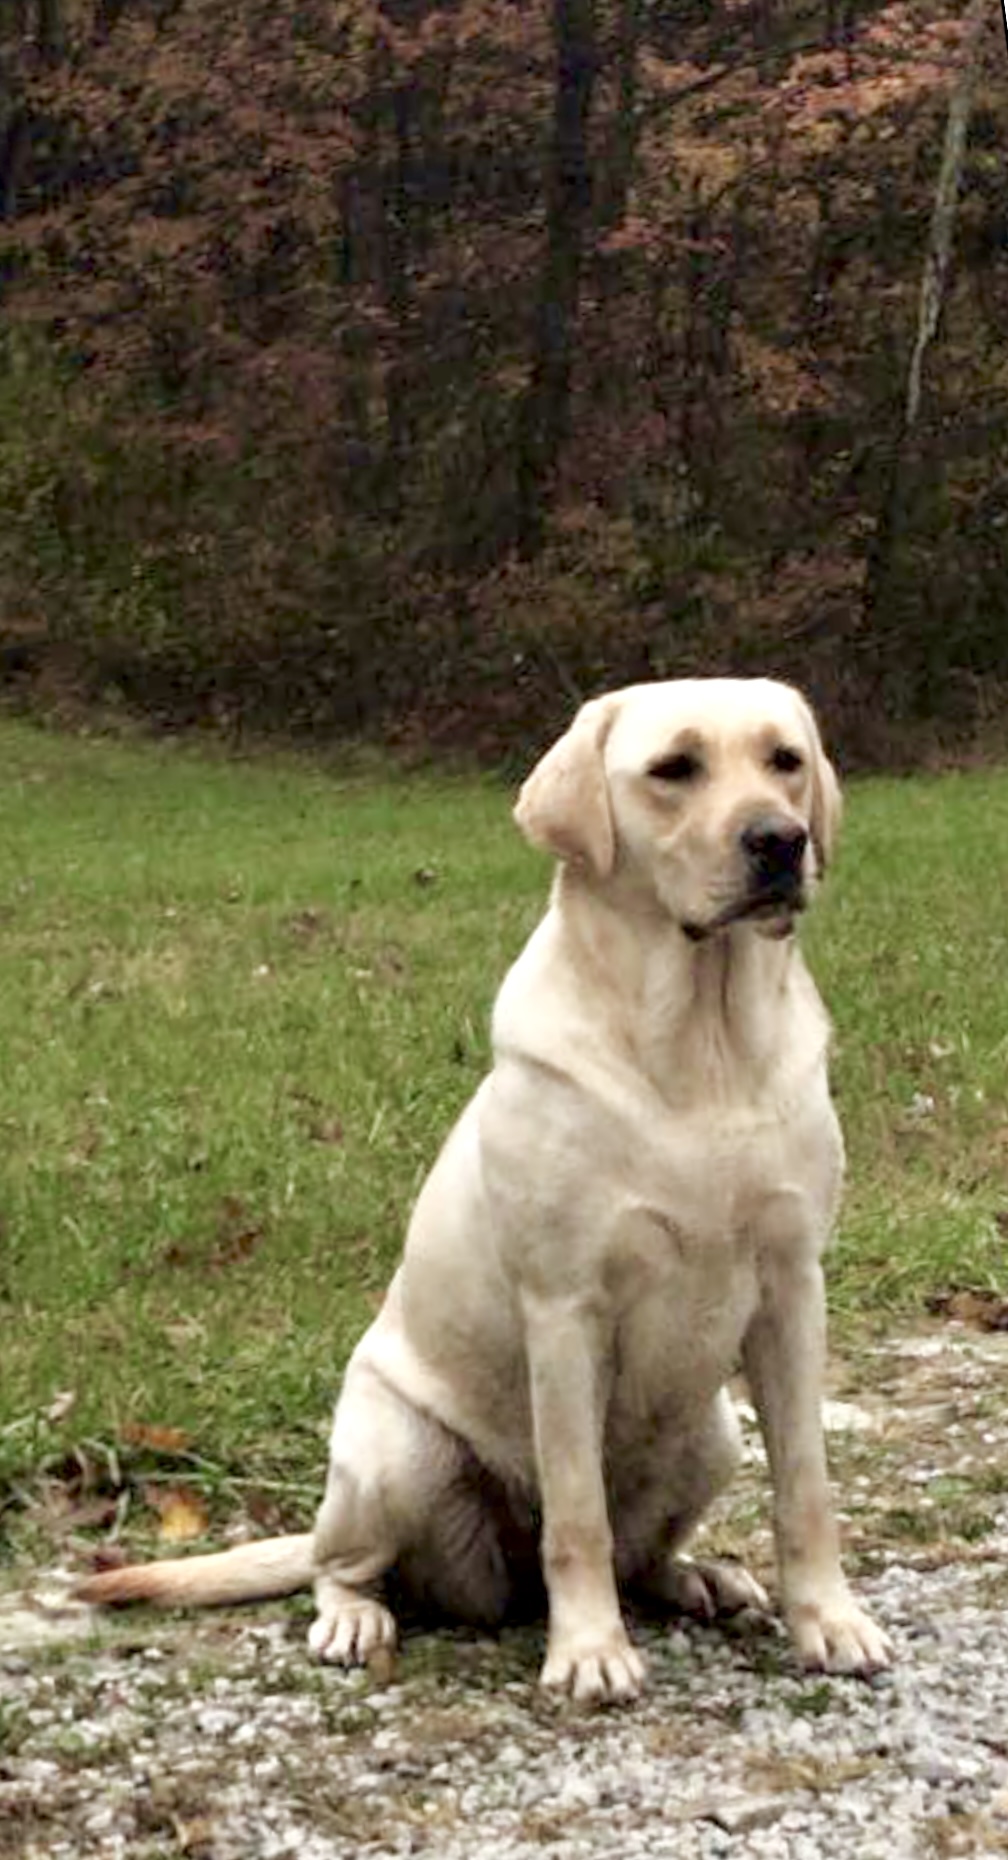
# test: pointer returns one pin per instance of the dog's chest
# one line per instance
(682, 1259)
(681, 1294)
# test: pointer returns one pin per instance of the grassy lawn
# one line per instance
(241, 1004)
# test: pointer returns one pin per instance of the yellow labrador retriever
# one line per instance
(636, 1198)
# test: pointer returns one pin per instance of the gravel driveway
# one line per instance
(214, 1737)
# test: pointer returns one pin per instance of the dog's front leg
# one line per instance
(784, 1356)
(589, 1653)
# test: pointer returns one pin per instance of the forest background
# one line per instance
(414, 369)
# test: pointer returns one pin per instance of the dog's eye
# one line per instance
(683, 767)
(786, 761)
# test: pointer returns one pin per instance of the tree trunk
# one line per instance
(398, 243)
(939, 252)
(621, 142)
(543, 414)
(50, 30)
(890, 522)
(107, 16)
(15, 152)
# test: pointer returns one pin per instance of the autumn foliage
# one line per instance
(417, 367)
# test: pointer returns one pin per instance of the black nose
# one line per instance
(775, 846)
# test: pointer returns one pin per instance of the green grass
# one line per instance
(910, 948)
(242, 1002)
(236, 1025)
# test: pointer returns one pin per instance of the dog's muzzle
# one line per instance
(774, 852)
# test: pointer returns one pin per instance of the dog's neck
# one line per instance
(689, 1011)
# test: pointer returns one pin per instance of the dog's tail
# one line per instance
(253, 1572)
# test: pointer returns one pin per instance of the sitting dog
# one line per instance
(635, 1200)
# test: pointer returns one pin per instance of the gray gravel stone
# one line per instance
(215, 1738)
(723, 1756)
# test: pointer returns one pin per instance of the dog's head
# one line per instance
(712, 795)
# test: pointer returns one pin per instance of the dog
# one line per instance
(634, 1202)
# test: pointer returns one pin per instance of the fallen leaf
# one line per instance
(61, 1404)
(182, 1512)
(108, 1556)
(61, 1509)
(95, 1516)
(381, 1666)
(263, 1511)
(326, 1130)
(233, 1248)
(238, 1234)
(194, 1835)
(157, 1439)
(308, 923)
(178, 1253)
(984, 1310)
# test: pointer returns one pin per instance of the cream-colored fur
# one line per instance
(635, 1199)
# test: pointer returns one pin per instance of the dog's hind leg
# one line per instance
(376, 1466)
(706, 1587)
(406, 1498)
(686, 1479)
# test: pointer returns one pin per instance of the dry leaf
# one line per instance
(62, 1509)
(108, 1556)
(156, 1439)
(264, 1512)
(61, 1404)
(326, 1130)
(94, 1514)
(238, 1233)
(182, 1512)
(178, 1253)
(381, 1666)
(984, 1310)
(308, 923)
(194, 1835)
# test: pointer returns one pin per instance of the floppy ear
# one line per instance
(827, 805)
(563, 806)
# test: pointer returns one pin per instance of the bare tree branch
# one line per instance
(939, 251)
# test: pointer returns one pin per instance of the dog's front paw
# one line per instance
(351, 1631)
(594, 1669)
(832, 1634)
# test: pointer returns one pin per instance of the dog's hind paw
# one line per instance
(351, 1631)
(710, 1587)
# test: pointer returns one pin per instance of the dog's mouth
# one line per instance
(775, 905)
